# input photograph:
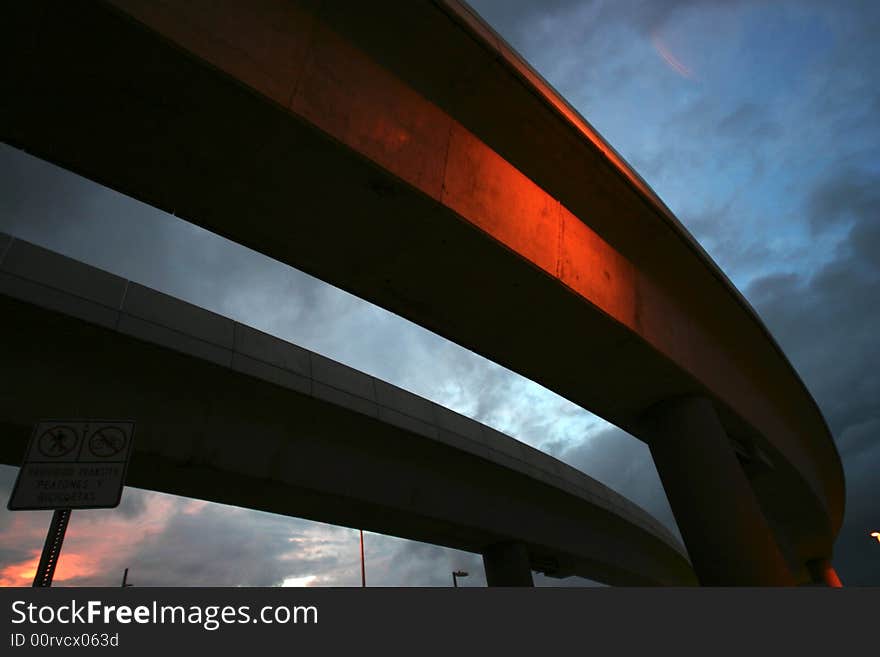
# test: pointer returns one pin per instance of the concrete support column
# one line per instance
(507, 564)
(823, 573)
(727, 536)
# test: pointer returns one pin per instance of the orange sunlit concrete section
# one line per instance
(824, 574)
(357, 101)
(403, 152)
(482, 187)
(348, 95)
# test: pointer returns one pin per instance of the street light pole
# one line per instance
(455, 575)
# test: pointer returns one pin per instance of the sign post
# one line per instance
(71, 464)
(52, 548)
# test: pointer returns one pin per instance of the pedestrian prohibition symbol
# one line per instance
(73, 464)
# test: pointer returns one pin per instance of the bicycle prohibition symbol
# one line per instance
(107, 442)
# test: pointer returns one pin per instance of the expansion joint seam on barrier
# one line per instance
(307, 53)
(122, 304)
(7, 249)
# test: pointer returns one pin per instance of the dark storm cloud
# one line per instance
(855, 551)
(624, 464)
(721, 235)
(849, 196)
(827, 323)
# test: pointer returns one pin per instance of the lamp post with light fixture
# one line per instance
(455, 575)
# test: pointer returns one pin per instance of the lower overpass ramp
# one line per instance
(228, 414)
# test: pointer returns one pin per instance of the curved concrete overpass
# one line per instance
(403, 152)
(230, 414)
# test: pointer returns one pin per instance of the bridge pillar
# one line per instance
(727, 536)
(507, 564)
(823, 573)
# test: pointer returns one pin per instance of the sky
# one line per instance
(755, 122)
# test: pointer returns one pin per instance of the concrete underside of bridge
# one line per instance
(400, 151)
(228, 414)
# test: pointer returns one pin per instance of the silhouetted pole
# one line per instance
(363, 566)
(125, 579)
(455, 575)
(52, 548)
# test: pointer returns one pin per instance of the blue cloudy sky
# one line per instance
(757, 124)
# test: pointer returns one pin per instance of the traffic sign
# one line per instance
(74, 464)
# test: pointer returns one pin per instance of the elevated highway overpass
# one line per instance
(403, 152)
(229, 414)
